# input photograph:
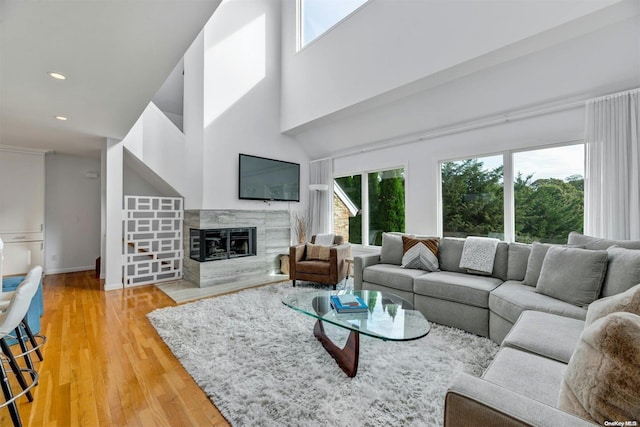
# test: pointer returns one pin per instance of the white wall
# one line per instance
(72, 213)
(390, 135)
(388, 43)
(241, 101)
(135, 185)
(157, 142)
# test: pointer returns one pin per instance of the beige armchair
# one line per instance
(329, 272)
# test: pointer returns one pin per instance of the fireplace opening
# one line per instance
(221, 243)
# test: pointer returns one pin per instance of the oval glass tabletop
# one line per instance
(387, 317)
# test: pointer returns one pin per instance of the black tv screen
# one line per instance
(268, 179)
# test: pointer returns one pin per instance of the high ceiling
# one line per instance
(115, 55)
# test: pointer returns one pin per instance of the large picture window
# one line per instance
(546, 193)
(472, 198)
(379, 200)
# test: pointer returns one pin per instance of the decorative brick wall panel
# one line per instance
(340, 218)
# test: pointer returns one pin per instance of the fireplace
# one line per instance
(221, 243)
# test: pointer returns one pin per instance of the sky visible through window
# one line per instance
(318, 16)
(556, 162)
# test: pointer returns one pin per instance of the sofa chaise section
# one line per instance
(511, 299)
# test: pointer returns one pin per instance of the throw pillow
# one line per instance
(391, 251)
(517, 261)
(572, 275)
(449, 254)
(534, 263)
(420, 253)
(318, 252)
(626, 301)
(602, 379)
(590, 242)
(324, 239)
(623, 271)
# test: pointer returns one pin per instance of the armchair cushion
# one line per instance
(313, 267)
(318, 252)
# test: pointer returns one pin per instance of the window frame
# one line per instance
(364, 189)
(508, 175)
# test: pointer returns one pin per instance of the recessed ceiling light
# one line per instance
(63, 118)
(57, 76)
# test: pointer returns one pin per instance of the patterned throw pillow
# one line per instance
(420, 253)
(318, 252)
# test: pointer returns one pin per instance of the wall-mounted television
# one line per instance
(268, 179)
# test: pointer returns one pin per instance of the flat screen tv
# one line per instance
(268, 179)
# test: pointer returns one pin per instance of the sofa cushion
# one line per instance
(627, 301)
(602, 378)
(573, 275)
(313, 267)
(458, 287)
(501, 262)
(623, 270)
(517, 261)
(527, 374)
(391, 251)
(511, 298)
(392, 276)
(534, 263)
(420, 253)
(449, 254)
(545, 334)
(590, 242)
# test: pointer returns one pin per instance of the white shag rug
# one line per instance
(261, 365)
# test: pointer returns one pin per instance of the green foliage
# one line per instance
(546, 210)
(386, 203)
(472, 199)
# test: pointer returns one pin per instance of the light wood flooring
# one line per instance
(104, 364)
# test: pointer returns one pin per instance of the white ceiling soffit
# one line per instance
(115, 55)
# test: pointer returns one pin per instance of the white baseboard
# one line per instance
(70, 269)
(112, 286)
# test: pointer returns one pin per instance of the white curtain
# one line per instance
(612, 180)
(321, 202)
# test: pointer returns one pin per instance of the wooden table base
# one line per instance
(347, 357)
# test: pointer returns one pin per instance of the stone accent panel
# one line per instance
(273, 237)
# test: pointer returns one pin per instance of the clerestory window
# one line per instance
(316, 17)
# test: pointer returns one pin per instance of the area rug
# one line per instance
(261, 365)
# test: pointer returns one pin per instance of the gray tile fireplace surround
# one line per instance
(273, 237)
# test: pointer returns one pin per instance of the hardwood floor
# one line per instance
(104, 364)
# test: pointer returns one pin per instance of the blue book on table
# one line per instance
(348, 303)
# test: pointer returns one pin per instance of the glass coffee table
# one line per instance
(388, 318)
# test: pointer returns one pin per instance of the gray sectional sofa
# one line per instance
(514, 307)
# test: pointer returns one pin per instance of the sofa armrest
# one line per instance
(474, 401)
(359, 264)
